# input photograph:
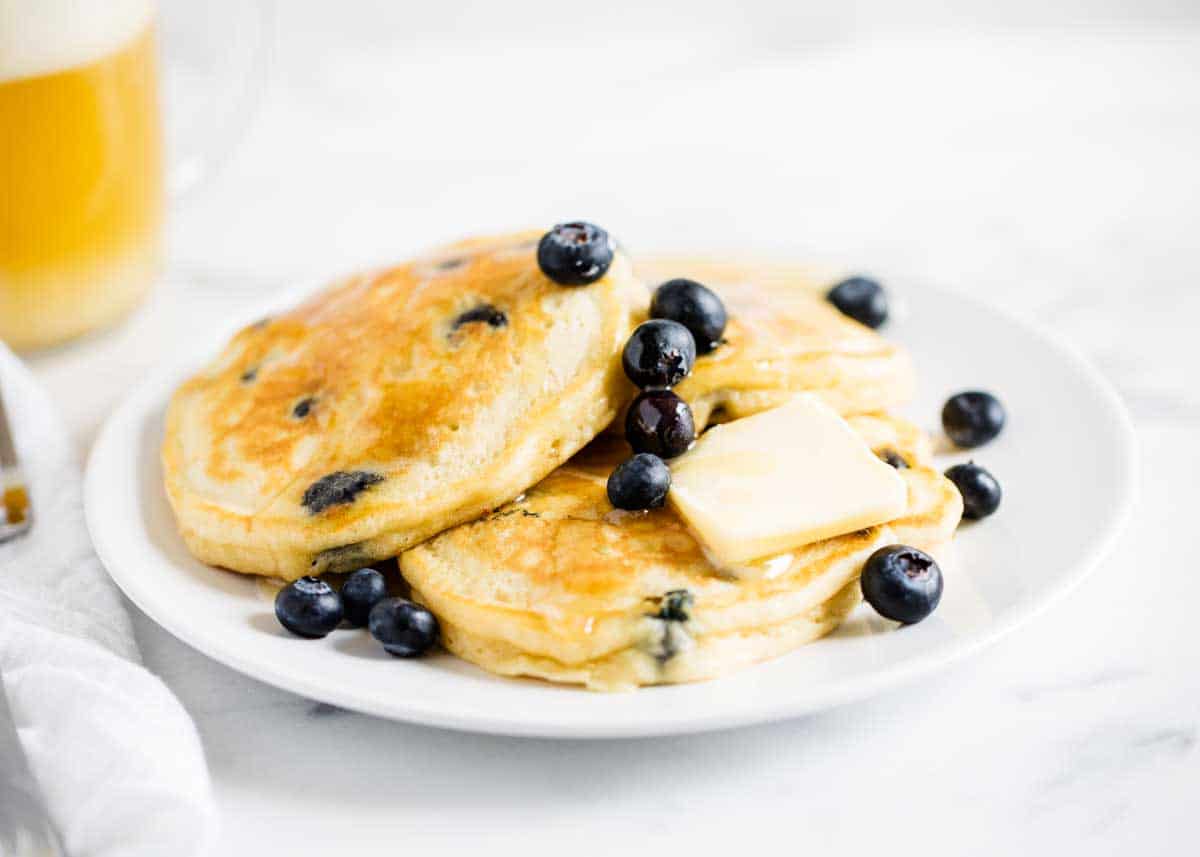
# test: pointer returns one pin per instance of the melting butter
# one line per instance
(760, 569)
(762, 486)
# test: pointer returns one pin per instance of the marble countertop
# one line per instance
(1053, 171)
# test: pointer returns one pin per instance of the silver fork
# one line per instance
(25, 828)
(16, 514)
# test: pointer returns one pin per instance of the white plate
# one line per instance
(1066, 462)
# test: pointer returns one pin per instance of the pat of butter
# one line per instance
(781, 479)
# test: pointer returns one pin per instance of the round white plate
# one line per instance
(1066, 462)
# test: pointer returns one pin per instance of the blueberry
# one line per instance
(980, 490)
(695, 307)
(675, 606)
(303, 407)
(575, 254)
(895, 459)
(661, 423)
(308, 607)
(406, 629)
(451, 263)
(972, 418)
(362, 590)
(486, 313)
(862, 299)
(339, 559)
(639, 483)
(337, 489)
(659, 354)
(902, 583)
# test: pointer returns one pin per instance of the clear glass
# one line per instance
(83, 173)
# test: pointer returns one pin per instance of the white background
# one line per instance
(1047, 160)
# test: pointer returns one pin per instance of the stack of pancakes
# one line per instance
(451, 411)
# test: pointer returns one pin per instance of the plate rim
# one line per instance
(839, 691)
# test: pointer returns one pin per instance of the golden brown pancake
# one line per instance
(561, 586)
(393, 405)
(783, 337)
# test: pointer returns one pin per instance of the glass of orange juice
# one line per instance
(82, 171)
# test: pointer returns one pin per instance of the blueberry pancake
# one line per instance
(559, 585)
(783, 337)
(393, 405)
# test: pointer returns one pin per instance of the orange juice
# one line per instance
(81, 165)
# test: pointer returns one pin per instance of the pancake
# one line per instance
(393, 405)
(783, 337)
(772, 275)
(559, 585)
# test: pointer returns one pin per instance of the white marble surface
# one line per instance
(1054, 171)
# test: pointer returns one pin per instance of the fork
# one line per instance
(16, 514)
(25, 828)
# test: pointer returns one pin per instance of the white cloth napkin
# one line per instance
(118, 759)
